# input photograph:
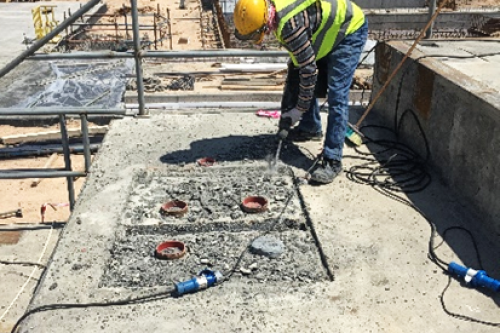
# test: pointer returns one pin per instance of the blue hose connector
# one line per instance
(204, 280)
(473, 277)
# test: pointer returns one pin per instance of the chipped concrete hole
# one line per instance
(215, 230)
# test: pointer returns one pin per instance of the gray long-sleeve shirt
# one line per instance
(297, 34)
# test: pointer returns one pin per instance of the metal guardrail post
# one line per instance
(33, 173)
(67, 161)
(86, 142)
(169, 29)
(138, 59)
(48, 37)
(432, 10)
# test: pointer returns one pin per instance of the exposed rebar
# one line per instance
(86, 142)
(137, 57)
(432, 10)
(67, 161)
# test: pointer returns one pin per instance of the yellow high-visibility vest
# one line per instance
(339, 18)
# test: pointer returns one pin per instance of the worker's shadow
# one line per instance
(261, 147)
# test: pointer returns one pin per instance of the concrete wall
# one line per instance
(460, 117)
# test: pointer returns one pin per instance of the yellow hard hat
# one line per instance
(250, 19)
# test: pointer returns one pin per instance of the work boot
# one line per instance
(298, 135)
(326, 171)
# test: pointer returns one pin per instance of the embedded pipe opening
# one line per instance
(255, 204)
(206, 161)
(170, 250)
(175, 208)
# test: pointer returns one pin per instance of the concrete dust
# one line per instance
(277, 157)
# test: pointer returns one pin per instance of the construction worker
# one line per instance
(328, 35)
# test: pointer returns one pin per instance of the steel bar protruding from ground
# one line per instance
(41, 42)
(67, 160)
(86, 142)
(432, 9)
(137, 56)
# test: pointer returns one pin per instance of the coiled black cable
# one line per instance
(395, 168)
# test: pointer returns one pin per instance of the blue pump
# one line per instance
(204, 280)
(473, 277)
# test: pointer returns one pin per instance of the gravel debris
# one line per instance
(221, 250)
(215, 229)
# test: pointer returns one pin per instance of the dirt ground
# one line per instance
(20, 194)
(192, 27)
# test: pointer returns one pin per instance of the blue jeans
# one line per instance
(342, 63)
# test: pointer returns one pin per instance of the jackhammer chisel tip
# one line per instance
(282, 135)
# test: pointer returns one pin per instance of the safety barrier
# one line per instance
(44, 22)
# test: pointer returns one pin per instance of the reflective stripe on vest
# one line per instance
(322, 46)
(329, 33)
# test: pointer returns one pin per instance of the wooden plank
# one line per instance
(51, 135)
(240, 87)
(252, 78)
(186, 18)
(250, 83)
(48, 164)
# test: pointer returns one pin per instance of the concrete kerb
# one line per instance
(443, 98)
(433, 61)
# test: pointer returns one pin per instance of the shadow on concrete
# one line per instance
(452, 216)
(261, 147)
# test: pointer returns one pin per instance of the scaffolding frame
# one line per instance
(138, 54)
(160, 28)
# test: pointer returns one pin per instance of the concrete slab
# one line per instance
(485, 69)
(375, 247)
(28, 249)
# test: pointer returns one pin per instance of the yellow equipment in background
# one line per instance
(44, 21)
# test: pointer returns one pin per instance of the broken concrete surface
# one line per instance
(376, 247)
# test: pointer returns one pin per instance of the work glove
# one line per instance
(287, 121)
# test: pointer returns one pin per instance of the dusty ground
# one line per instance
(19, 193)
(24, 239)
(191, 27)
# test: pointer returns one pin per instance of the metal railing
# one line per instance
(137, 54)
(67, 171)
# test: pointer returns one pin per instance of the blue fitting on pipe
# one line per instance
(473, 277)
(204, 280)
